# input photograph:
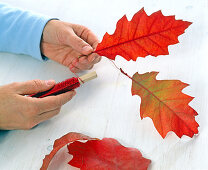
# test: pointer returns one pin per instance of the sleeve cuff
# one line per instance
(39, 26)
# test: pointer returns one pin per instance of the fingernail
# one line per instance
(74, 93)
(97, 59)
(87, 48)
(50, 82)
(92, 59)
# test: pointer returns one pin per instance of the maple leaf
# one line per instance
(142, 36)
(61, 142)
(106, 154)
(165, 104)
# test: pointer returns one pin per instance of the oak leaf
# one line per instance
(165, 104)
(142, 36)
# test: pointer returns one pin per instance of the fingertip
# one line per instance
(69, 95)
(73, 93)
(94, 46)
(73, 69)
(91, 58)
(50, 82)
(94, 58)
(98, 59)
(86, 50)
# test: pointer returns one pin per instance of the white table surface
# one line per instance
(104, 107)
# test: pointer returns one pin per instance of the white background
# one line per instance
(104, 107)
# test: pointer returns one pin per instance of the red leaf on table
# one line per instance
(165, 104)
(106, 154)
(142, 36)
(61, 142)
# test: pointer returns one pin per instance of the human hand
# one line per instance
(69, 44)
(22, 112)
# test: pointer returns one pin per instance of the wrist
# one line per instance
(46, 34)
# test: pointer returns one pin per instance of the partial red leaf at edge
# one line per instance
(165, 104)
(61, 142)
(107, 154)
(142, 36)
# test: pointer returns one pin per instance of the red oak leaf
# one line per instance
(61, 142)
(142, 36)
(106, 154)
(165, 104)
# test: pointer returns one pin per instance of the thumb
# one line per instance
(34, 86)
(78, 44)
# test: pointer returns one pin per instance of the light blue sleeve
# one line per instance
(21, 31)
